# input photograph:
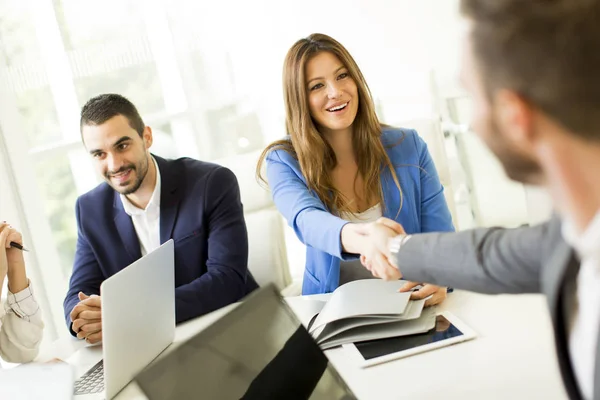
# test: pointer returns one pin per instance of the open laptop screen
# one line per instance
(259, 350)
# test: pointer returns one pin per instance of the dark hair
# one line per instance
(548, 51)
(101, 108)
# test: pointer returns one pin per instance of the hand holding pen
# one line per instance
(15, 238)
(17, 246)
(12, 264)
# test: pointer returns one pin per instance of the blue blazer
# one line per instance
(424, 208)
(200, 209)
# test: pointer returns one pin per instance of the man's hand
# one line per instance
(87, 318)
(438, 294)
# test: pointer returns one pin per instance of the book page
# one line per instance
(306, 309)
(413, 311)
(363, 298)
(381, 331)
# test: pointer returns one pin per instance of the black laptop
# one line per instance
(259, 350)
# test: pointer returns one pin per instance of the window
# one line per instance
(55, 57)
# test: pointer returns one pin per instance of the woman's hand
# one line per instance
(438, 294)
(7, 235)
(12, 263)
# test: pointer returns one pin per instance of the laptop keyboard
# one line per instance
(92, 381)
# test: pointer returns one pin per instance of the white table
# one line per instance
(512, 357)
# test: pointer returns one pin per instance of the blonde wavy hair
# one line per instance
(307, 145)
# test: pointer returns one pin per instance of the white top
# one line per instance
(21, 327)
(146, 222)
(583, 338)
(370, 215)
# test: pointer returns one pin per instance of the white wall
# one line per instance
(396, 44)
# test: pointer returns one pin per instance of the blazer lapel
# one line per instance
(126, 230)
(169, 198)
(559, 285)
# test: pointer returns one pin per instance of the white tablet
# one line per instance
(448, 330)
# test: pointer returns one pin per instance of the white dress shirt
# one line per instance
(583, 337)
(21, 327)
(146, 222)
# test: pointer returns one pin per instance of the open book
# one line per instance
(366, 310)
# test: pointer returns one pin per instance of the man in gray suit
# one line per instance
(533, 70)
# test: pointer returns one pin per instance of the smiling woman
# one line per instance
(333, 96)
(340, 170)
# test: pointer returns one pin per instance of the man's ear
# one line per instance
(147, 137)
(514, 117)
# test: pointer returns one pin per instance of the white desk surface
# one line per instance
(512, 357)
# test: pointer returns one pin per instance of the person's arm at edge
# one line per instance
(486, 260)
(20, 335)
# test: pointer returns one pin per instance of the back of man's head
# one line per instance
(547, 51)
(101, 108)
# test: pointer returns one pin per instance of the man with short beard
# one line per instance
(145, 201)
(532, 70)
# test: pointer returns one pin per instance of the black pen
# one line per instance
(17, 246)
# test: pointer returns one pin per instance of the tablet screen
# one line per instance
(443, 330)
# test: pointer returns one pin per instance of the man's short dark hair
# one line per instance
(101, 108)
(548, 51)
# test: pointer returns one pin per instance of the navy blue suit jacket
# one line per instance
(200, 209)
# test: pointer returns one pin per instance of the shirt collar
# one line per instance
(153, 204)
(586, 244)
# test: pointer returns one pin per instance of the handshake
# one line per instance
(374, 242)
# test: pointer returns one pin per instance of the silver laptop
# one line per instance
(138, 323)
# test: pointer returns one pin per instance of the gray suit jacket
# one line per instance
(523, 260)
